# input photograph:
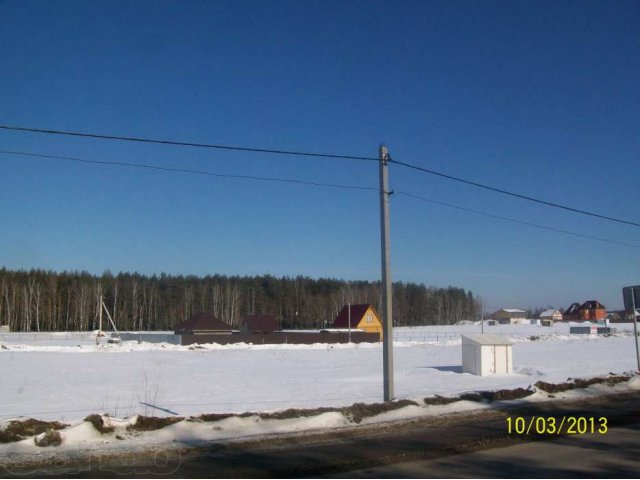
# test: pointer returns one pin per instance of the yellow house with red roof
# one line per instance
(359, 317)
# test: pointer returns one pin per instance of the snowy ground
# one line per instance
(66, 376)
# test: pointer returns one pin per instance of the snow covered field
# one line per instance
(66, 376)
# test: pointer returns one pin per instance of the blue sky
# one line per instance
(540, 98)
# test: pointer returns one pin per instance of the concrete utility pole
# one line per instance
(387, 313)
(631, 296)
(635, 326)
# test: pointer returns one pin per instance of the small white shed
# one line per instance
(486, 354)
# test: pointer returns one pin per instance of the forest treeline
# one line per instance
(39, 300)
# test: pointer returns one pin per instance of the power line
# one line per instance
(318, 155)
(186, 144)
(310, 183)
(505, 192)
(190, 171)
(521, 222)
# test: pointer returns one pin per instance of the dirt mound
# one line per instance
(355, 413)
(211, 417)
(489, 396)
(513, 394)
(147, 424)
(438, 400)
(98, 423)
(297, 412)
(50, 438)
(19, 430)
(359, 411)
(580, 383)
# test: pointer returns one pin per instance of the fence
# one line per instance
(426, 337)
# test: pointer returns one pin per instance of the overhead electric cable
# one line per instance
(321, 155)
(521, 222)
(186, 144)
(506, 192)
(186, 170)
(311, 183)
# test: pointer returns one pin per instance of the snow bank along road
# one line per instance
(379, 450)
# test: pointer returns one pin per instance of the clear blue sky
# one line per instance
(540, 97)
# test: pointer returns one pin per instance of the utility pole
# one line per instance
(631, 297)
(387, 313)
(635, 326)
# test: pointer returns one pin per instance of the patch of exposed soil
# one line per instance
(359, 411)
(512, 394)
(298, 412)
(581, 383)
(19, 430)
(215, 417)
(146, 424)
(98, 423)
(471, 397)
(497, 396)
(211, 417)
(438, 400)
(50, 438)
(355, 413)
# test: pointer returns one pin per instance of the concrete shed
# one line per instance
(486, 354)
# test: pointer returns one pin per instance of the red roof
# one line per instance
(202, 322)
(592, 305)
(357, 312)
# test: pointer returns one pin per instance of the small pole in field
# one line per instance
(349, 320)
(99, 323)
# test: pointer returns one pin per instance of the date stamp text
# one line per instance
(565, 425)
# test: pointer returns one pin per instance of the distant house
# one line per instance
(202, 324)
(362, 317)
(551, 314)
(589, 310)
(510, 315)
(258, 324)
(621, 316)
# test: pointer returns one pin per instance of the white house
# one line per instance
(510, 315)
(551, 314)
(486, 354)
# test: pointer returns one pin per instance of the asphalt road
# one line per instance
(616, 454)
(463, 445)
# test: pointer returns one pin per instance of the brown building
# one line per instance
(258, 324)
(202, 324)
(589, 310)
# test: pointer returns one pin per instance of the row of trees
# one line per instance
(40, 300)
